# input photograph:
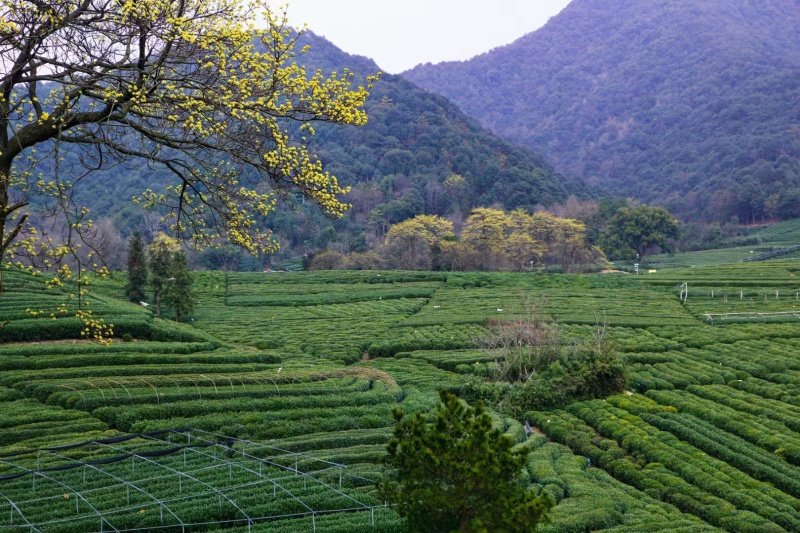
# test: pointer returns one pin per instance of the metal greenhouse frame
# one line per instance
(171, 480)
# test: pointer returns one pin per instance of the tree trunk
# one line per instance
(5, 179)
(464, 522)
(6, 210)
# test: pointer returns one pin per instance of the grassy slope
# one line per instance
(771, 237)
(279, 356)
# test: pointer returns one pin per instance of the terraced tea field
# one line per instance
(271, 409)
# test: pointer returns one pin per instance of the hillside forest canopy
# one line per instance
(689, 104)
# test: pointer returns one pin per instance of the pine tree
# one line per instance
(179, 295)
(161, 250)
(137, 269)
(458, 473)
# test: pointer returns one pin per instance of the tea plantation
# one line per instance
(270, 410)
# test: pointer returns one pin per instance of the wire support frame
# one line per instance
(119, 482)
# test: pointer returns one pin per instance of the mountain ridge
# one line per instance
(669, 102)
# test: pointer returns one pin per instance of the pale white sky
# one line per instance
(401, 34)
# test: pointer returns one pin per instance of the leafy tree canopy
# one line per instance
(160, 265)
(635, 229)
(458, 473)
(416, 236)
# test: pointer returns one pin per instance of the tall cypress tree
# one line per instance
(179, 294)
(160, 268)
(137, 269)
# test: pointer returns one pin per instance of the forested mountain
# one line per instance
(397, 164)
(693, 104)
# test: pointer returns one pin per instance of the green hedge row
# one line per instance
(300, 300)
(768, 434)
(284, 408)
(269, 426)
(711, 475)
(138, 327)
(90, 396)
(748, 458)
(654, 480)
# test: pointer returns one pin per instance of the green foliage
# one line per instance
(492, 239)
(438, 490)
(179, 294)
(160, 263)
(327, 260)
(633, 230)
(578, 373)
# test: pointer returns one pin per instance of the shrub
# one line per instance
(327, 260)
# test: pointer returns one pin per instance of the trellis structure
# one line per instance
(751, 315)
(172, 480)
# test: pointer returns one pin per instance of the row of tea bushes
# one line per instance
(673, 370)
(703, 335)
(768, 434)
(282, 407)
(766, 389)
(73, 348)
(283, 285)
(179, 353)
(327, 298)
(333, 332)
(333, 277)
(765, 273)
(652, 479)
(771, 360)
(753, 404)
(27, 423)
(707, 473)
(136, 325)
(629, 308)
(750, 459)
(89, 396)
(444, 337)
(41, 383)
(461, 361)
(590, 499)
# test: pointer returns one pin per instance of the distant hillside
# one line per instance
(415, 139)
(694, 104)
(396, 164)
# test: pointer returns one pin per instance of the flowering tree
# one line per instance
(415, 237)
(190, 86)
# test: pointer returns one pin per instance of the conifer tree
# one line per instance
(161, 250)
(179, 295)
(458, 473)
(137, 269)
